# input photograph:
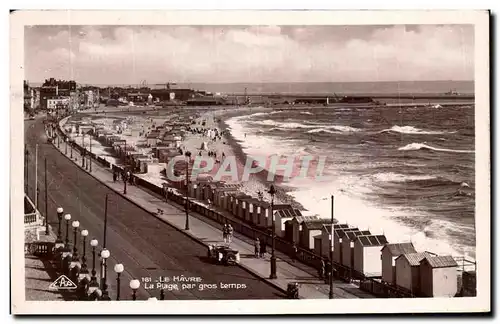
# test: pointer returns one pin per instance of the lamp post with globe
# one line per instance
(67, 217)
(118, 269)
(93, 279)
(75, 225)
(104, 255)
(60, 211)
(84, 233)
(134, 285)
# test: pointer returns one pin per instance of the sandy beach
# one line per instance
(199, 139)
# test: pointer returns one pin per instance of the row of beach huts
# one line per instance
(421, 273)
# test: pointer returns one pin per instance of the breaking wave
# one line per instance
(306, 113)
(322, 130)
(315, 128)
(423, 146)
(410, 130)
(397, 177)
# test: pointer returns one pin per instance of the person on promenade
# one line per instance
(294, 252)
(327, 271)
(262, 248)
(321, 270)
(257, 246)
(224, 233)
(114, 176)
(229, 233)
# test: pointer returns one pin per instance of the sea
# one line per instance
(406, 172)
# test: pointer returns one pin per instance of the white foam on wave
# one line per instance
(350, 207)
(420, 146)
(269, 122)
(322, 130)
(306, 113)
(318, 127)
(344, 128)
(397, 177)
(258, 145)
(412, 130)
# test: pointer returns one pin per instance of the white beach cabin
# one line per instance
(367, 254)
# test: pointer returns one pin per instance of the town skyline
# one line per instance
(249, 54)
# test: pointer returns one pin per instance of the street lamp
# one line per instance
(188, 158)
(75, 225)
(134, 285)
(272, 192)
(118, 269)
(60, 211)
(104, 255)
(93, 279)
(71, 148)
(84, 233)
(67, 217)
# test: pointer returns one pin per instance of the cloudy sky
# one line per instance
(129, 54)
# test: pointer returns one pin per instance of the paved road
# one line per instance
(147, 247)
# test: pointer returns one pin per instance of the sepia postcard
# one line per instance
(250, 162)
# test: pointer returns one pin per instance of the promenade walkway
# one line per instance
(208, 232)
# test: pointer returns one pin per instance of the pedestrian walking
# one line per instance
(114, 176)
(321, 270)
(229, 234)
(256, 245)
(224, 233)
(294, 252)
(327, 271)
(262, 248)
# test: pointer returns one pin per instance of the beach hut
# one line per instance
(438, 276)
(294, 226)
(338, 234)
(408, 271)
(326, 236)
(221, 194)
(366, 254)
(389, 253)
(347, 244)
(152, 139)
(282, 214)
(317, 244)
(309, 230)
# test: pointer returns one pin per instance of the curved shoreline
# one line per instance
(261, 177)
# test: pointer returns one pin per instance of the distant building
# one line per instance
(53, 89)
(28, 97)
(58, 103)
(206, 101)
